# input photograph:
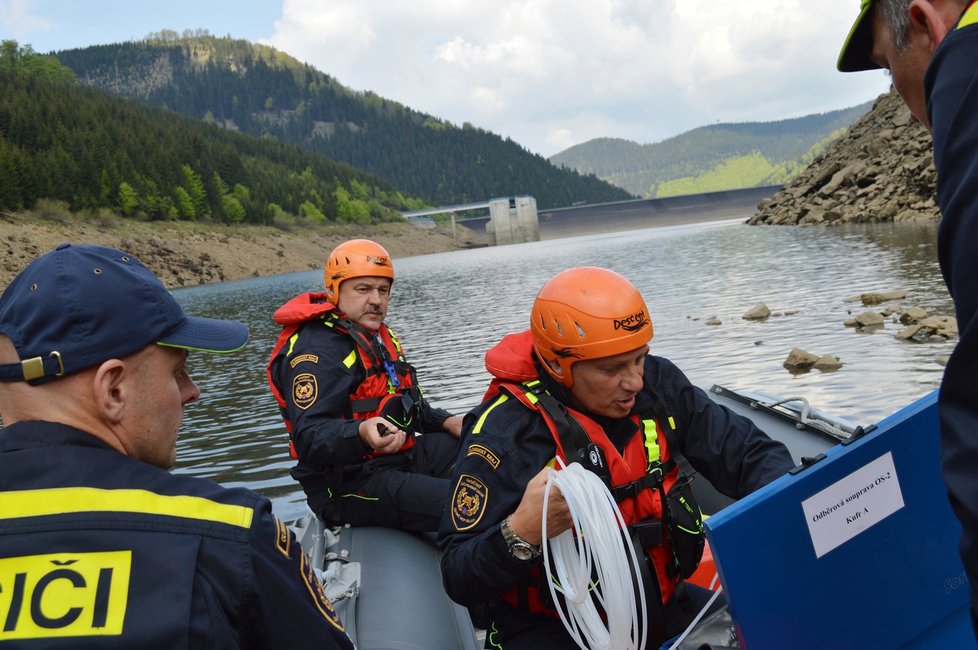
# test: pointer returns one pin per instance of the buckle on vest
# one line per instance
(632, 490)
(654, 471)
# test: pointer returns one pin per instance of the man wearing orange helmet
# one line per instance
(581, 385)
(352, 404)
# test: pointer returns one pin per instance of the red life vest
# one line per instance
(387, 373)
(511, 363)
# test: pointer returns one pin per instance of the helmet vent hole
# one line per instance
(560, 330)
(580, 330)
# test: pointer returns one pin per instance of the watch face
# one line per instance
(522, 552)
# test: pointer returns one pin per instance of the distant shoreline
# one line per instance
(188, 253)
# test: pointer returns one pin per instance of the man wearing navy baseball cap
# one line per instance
(99, 544)
(930, 50)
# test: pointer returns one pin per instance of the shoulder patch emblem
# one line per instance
(315, 588)
(468, 502)
(485, 454)
(311, 358)
(305, 390)
(283, 538)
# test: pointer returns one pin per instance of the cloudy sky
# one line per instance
(547, 73)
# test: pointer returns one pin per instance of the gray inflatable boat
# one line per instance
(386, 584)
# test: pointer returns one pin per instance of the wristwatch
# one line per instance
(518, 547)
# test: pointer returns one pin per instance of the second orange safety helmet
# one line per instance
(355, 259)
(587, 313)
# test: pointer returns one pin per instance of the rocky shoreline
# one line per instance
(184, 254)
(881, 170)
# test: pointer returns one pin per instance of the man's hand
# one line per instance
(453, 425)
(381, 435)
(526, 520)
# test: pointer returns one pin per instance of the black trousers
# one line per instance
(407, 491)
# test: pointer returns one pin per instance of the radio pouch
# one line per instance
(684, 523)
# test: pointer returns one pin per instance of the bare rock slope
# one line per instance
(881, 170)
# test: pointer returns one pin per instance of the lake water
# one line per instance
(449, 308)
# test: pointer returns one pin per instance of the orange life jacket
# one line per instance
(636, 473)
(387, 374)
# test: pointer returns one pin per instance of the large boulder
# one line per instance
(760, 311)
(799, 359)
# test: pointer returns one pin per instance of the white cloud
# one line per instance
(553, 73)
(488, 99)
(19, 21)
(334, 32)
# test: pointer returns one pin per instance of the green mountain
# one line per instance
(261, 91)
(710, 158)
(65, 143)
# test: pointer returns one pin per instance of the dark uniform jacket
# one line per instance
(98, 550)
(324, 432)
(514, 443)
(951, 88)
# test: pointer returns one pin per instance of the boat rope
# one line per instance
(815, 422)
(595, 569)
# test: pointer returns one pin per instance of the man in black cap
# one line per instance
(99, 544)
(930, 48)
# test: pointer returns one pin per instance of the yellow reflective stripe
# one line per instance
(397, 344)
(482, 418)
(354, 495)
(672, 423)
(970, 17)
(55, 501)
(292, 340)
(651, 440)
(529, 394)
(350, 359)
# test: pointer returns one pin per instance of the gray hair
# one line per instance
(896, 14)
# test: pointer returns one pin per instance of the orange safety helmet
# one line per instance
(355, 259)
(587, 313)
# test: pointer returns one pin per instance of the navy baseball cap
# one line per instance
(78, 306)
(858, 48)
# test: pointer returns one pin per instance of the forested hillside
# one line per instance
(60, 141)
(710, 158)
(258, 90)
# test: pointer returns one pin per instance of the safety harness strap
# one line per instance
(365, 405)
(656, 471)
(651, 480)
(573, 437)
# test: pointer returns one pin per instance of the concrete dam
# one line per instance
(642, 213)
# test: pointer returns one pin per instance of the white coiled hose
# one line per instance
(599, 547)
